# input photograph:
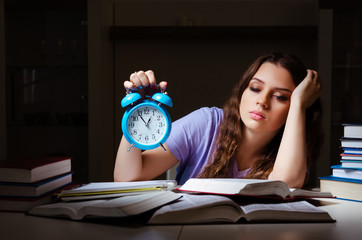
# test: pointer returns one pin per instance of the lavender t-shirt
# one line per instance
(192, 140)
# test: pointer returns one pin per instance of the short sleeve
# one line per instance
(191, 139)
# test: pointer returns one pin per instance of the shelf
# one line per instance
(49, 67)
(356, 66)
(177, 32)
(24, 125)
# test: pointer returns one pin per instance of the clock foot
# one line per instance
(129, 149)
(164, 149)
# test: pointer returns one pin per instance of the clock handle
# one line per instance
(163, 98)
(130, 98)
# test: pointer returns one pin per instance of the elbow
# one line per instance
(123, 178)
(293, 182)
(118, 178)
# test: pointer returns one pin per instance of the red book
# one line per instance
(28, 170)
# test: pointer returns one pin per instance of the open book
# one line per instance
(96, 190)
(248, 187)
(192, 209)
(175, 208)
(115, 207)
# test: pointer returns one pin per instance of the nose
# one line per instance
(263, 101)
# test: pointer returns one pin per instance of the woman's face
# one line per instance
(265, 102)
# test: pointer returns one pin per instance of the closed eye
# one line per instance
(281, 98)
(253, 89)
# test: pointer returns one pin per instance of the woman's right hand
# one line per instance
(144, 82)
(309, 90)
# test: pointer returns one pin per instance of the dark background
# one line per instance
(65, 61)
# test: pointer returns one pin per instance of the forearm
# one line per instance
(128, 166)
(136, 165)
(291, 162)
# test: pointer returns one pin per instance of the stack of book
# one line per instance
(346, 179)
(28, 182)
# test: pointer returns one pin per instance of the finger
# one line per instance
(128, 85)
(151, 77)
(143, 78)
(315, 82)
(316, 79)
(310, 74)
(314, 74)
(135, 80)
(163, 86)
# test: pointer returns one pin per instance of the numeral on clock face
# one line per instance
(147, 125)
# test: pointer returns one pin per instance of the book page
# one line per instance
(289, 211)
(232, 186)
(301, 206)
(132, 205)
(217, 185)
(308, 193)
(198, 209)
(68, 209)
(118, 207)
(190, 201)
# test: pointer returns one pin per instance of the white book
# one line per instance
(351, 164)
(96, 190)
(248, 187)
(351, 157)
(347, 173)
(352, 130)
(351, 142)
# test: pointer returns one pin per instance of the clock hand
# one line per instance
(143, 120)
(148, 121)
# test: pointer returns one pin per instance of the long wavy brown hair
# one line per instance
(230, 129)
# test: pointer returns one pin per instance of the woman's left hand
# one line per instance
(308, 91)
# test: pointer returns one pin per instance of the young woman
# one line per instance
(268, 129)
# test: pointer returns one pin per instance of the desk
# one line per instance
(348, 214)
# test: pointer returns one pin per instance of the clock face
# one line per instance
(147, 125)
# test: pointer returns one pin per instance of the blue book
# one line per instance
(342, 188)
(339, 179)
(346, 172)
(358, 150)
(351, 163)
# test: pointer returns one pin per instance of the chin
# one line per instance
(260, 127)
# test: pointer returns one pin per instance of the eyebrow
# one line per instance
(280, 89)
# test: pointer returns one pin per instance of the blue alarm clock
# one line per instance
(146, 124)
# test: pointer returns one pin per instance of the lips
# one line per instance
(257, 115)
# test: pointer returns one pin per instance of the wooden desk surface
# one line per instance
(347, 213)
